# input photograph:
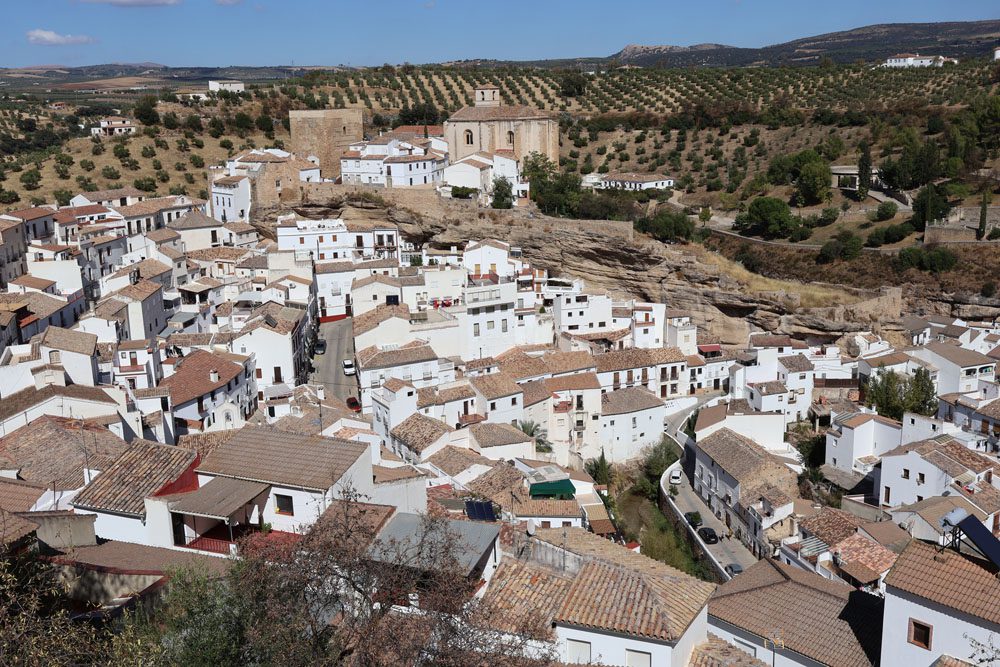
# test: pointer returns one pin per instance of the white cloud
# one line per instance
(134, 3)
(52, 38)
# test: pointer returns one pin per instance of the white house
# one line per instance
(114, 126)
(926, 468)
(631, 420)
(959, 370)
(857, 440)
(635, 181)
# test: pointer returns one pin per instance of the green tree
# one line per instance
(536, 432)
(864, 171)
(264, 122)
(193, 123)
(171, 121)
(984, 206)
(145, 110)
(62, 197)
(503, 193)
(599, 469)
(929, 205)
(31, 179)
(769, 217)
(920, 395)
(884, 392)
(813, 184)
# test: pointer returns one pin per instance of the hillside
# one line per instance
(962, 39)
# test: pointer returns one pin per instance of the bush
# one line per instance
(989, 290)
(110, 173)
(62, 197)
(9, 197)
(197, 161)
(994, 234)
(828, 216)
(87, 165)
(145, 184)
(459, 192)
(934, 260)
(886, 211)
(227, 144)
(800, 233)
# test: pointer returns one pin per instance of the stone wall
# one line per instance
(530, 136)
(326, 134)
(948, 234)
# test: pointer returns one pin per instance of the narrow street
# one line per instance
(727, 550)
(329, 367)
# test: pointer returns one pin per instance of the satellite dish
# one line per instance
(953, 518)
(531, 527)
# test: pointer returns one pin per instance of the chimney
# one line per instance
(213, 375)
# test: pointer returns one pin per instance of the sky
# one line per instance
(372, 32)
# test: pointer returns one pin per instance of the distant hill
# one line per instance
(962, 39)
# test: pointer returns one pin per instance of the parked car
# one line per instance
(354, 404)
(321, 346)
(676, 476)
(349, 367)
(693, 519)
(733, 569)
(708, 535)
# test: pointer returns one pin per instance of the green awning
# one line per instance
(562, 488)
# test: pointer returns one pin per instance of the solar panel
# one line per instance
(980, 536)
(488, 514)
(473, 510)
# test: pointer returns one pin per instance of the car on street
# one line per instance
(349, 367)
(353, 403)
(693, 519)
(733, 569)
(321, 346)
(708, 535)
(676, 476)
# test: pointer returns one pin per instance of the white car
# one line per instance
(675, 476)
(349, 367)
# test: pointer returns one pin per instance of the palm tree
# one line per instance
(535, 431)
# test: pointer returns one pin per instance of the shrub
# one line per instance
(994, 234)
(885, 211)
(197, 161)
(145, 184)
(110, 173)
(800, 233)
(459, 192)
(989, 290)
(934, 260)
(62, 197)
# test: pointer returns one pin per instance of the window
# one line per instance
(906, 473)
(920, 478)
(284, 505)
(577, 652)
(886, 496)
(493, 405)
(468, 137)
(920, 634)
(637, 658)
(510, 138)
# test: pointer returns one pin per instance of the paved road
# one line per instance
(728, 550)
(329, 371)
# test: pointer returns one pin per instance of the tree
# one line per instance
(536, 432)
(193, 123)
(920, 395)
(62, 197)
(264, 122)
(864, 171)
(503, 193)
(31, 179)
(145, 110)
(170, 121)
(667, 225)
(984, 207)
(769, 217)
(573, 84)
(928, 206)
(813, 184)
(885, 393)
(599, 469)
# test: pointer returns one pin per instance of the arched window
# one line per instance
(510, 137)
(468, 137)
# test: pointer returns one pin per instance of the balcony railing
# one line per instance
(211, 544)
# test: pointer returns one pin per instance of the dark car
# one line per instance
(733, 569)
(693, 519)
(321, 346)
(354, 404)
(708, 535)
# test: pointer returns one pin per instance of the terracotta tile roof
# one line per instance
(619, 590)
(127, 557)
(192, 375)
(983, 495)
(619, 360)
(824, 621)
(796, 363)
(220, 254)
(949, 455)
(452, 460)
(495, 385)
(68, 340)
(633, 177)
(147, 268)
(862, 557)
(385, 474)
(519, 365)
(25, 399)
(523, 598)
(770, 388)
(625, 401)
(367, 321)
(418, 431)
(575, 382)
(959, 355)
(139, 291)
(33, 282)
(831, 525)
(746, 461)
(547, 507)
(273, 456)
(502, 112)
(498, 484)
(53, 451)
(28, 214)
(143, 470)
(948, 578)
(488, 434)
(717, 652)
(14, 527)
(372, 357)
(536, 391)
(19, 496)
